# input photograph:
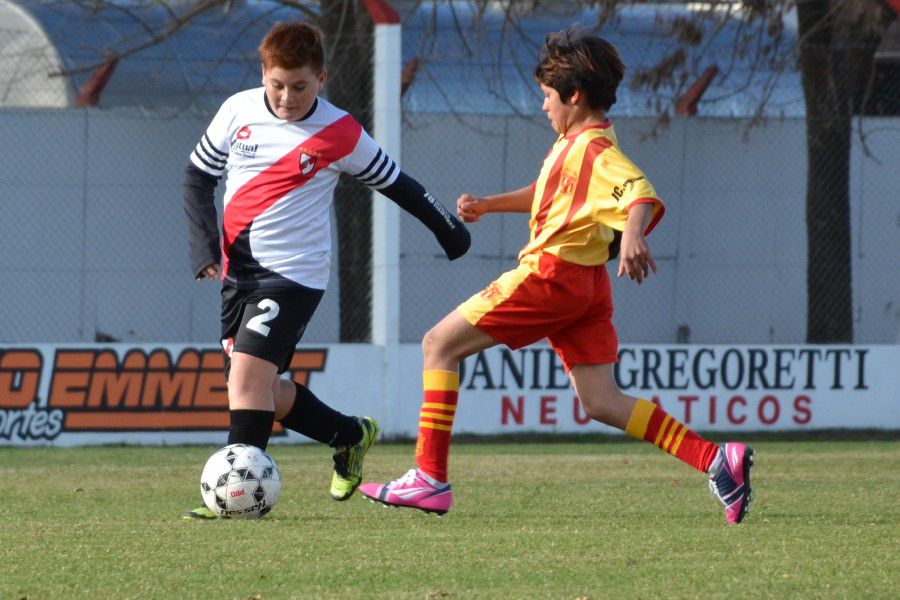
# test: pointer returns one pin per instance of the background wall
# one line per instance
(94, 244)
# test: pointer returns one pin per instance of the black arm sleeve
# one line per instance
(203, 223)
(450, 232)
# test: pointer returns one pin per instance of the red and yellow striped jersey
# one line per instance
(582, 197)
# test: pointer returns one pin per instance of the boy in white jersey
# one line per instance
(283, 149)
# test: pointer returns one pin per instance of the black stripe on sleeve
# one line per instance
(201, 147)
(210, 155)
(386, 176)
(213, 146)
(377, 171)
(207, 163)
(371, 164)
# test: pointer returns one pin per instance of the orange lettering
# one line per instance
(163, 387)
(20, 375)
(71, 375)
(74, 359)
(114, 387)
(146, 421)
(304, 363)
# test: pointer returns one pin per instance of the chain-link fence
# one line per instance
(152, 87)
(770, 235)
(731, 251)
(94, 241)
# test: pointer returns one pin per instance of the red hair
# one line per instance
(292, 46)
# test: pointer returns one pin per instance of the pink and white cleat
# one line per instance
(729, 479)
(414, 490)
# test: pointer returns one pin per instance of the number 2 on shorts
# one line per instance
(258, 323)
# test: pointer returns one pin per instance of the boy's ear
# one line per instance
(574, 98)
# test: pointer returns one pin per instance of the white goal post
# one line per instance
(386, 215)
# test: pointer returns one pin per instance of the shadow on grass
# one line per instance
(819, 435)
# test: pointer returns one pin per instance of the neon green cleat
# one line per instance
(199, 514)
(348, 461)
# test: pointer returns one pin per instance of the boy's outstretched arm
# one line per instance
(635, 258)
(412, 197)
(470, 208)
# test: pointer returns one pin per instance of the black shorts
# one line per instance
(266, 323)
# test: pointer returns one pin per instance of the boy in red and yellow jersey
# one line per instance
(589, 204)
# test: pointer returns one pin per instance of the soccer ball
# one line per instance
(240, 482)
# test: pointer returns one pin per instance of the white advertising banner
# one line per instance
(69, 395)
(720, 387)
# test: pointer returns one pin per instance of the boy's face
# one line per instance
(291, 92)
(560, 113)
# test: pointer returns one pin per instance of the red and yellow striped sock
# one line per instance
(436, 422)
(650, 423)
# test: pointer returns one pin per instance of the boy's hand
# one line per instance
(469, 208)
(209, 272)
(635, 258)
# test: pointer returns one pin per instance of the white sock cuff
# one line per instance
(431, 480)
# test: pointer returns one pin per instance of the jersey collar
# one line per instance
(312, 109)
(604, 125)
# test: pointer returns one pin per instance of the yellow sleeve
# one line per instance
(617, 185)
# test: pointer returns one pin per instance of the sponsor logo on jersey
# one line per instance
(239, 148)
(245, 150)
(618, 192)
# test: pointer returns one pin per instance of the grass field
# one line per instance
(595, 520)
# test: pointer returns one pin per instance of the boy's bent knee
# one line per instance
(441, 349)
(596, 410)
(251, 389)
(435, 343)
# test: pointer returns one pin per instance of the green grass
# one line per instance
(610, 520)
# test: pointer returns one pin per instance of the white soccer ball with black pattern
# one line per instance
(240, 482)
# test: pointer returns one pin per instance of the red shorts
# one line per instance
(545, 297)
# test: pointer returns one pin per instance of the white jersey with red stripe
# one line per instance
(280, 185)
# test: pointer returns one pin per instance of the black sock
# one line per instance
(313, 418)
(251, 427)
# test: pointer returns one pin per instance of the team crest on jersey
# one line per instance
(308, 160)
(567, 184)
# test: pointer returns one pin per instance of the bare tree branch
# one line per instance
(155, 38)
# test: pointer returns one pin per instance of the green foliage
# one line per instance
(612, 520)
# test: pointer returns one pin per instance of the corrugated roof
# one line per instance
(469, 65)
(462, 71)
(196, 67)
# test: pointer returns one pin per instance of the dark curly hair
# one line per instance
(573, 61)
